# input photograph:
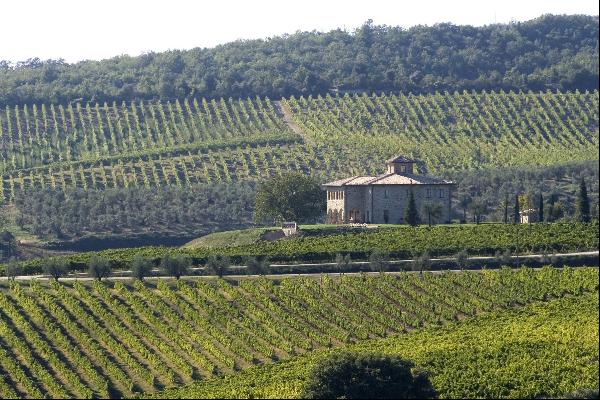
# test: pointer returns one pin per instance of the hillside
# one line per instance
(129, 174)
(98, 339)
(556, 52)
(161, 144)
(523, 353)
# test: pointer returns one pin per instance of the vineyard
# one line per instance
(119, 339)
(399, 241)
(533, 352)
(405, 241)
(199, 141)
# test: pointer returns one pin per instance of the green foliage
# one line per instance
(55, 267)
(552, 51)
(399, 242)
(254, 266)
(175, 265)
(583, 203)
(218, 264)
(291, 196)
(431, 211)
(411, 214)
(379, 260)
(461, 259)
(519, 353)
(343, 262)
(12, 269)
(141, 267)
(348, 375)
(422, 262)
(99, 267)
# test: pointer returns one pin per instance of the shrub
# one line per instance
(256, 265)
(218, 265)
(55, 267)
(141, 267)
(348, 375)
(99, 267)
(343, 262)
(175, 265)
(12, 269)
(379, 260)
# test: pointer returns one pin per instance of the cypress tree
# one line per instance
(506, 208)
(411, 215)
(583, 203)
(541, 208)
(516, 214)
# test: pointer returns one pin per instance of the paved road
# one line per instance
(124, 275)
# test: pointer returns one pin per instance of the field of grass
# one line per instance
(119, 339)
(197, 141)
(542, 350)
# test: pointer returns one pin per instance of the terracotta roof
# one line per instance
(389, 179)
(354, 180)
(400, 159)
(407, 179)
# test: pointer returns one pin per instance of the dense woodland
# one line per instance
(550, 52)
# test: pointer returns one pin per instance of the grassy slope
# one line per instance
(228, 238)
(543, 349)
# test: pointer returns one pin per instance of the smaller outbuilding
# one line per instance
(289, 228)
(529, 215)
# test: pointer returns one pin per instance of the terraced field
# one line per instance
(189, 141)
(101, 340)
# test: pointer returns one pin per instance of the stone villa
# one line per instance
(382, 199)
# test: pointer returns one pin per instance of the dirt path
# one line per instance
(287, 117)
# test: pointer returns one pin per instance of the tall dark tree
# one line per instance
(583, 203)
(411, 214)
(516, 211)
(8, 244)
(506, 208)
(541, 208)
